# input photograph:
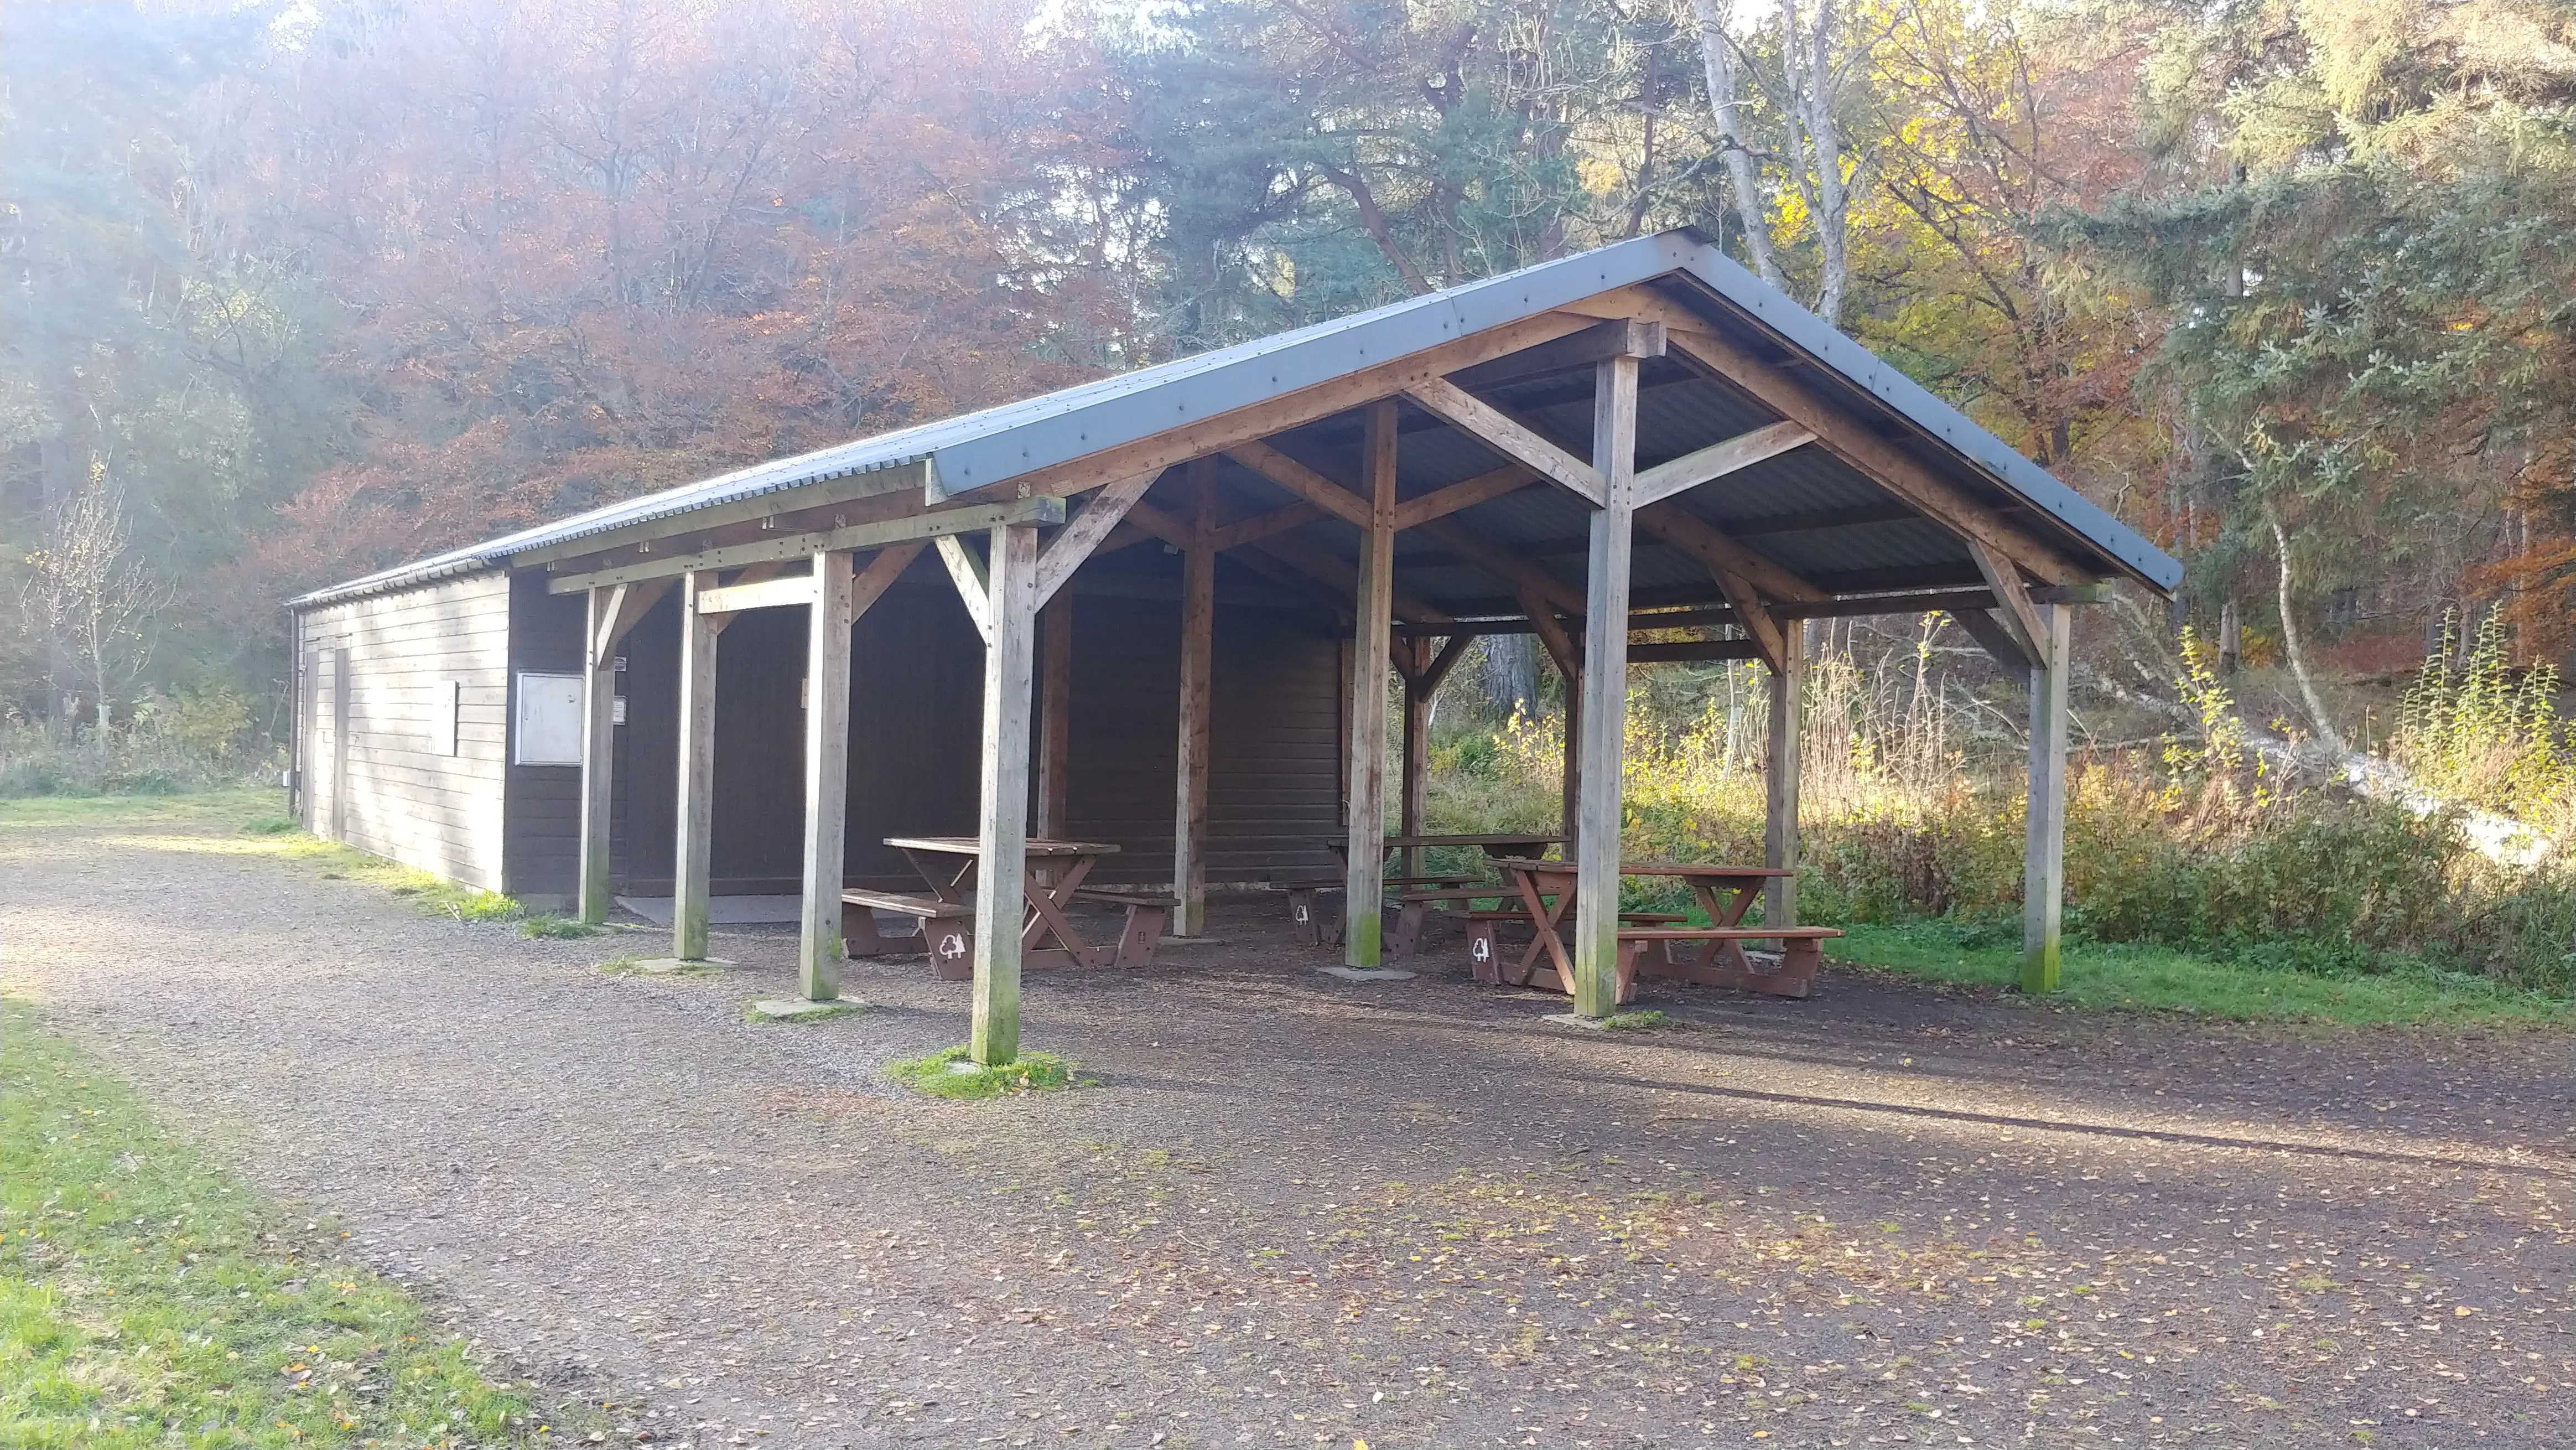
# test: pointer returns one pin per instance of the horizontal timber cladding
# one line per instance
(916, 704)
(405, 709)
(1273, 740)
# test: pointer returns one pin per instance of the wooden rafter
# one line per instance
(2015, 613)
(1714, 462)
(1513, 569)
(1079, 538)
(1508, 436)
(1693, 535)
(1302, 481)
(1261, 526)
(919, 524)
(974, 586)
(1467, 493)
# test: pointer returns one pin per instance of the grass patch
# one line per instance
(2139, 978)
(950, 1073)
(1644, 1021)
(635, 967)
(557, 928)
(147, 1300)
(270, 825)
(204, 807)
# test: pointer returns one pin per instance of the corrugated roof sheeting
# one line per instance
(996, 444)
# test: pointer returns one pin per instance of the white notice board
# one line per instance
(547, 727)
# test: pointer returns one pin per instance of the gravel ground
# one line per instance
(1301, 1212)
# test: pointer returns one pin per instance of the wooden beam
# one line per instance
(870, 584)
(754, 574)
(1490, 426)
(1055, 717)
(935, 523)
(1883, 462)
(967, 572)
(1780, 774)
(1616, 337)
(1261, 526)
(1198, 640)
(1066, 552)
(1999, 642)
(1364, 879)
(795, 589)
(1172, 531)
(598, 750)
(1002, 837)
(1695, 651)
(1716, 461)
(633, 603)
(1331, 572)
(1465, 494)
(2015, 612)
(2044, 851)
(1596, 845)
(1302, 481)
(827, 777)
(1514, 570)
(695, 806)
(1223, 432)
(1697, 537)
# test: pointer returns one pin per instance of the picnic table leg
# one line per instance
(1729, 913)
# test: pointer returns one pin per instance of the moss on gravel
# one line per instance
(950, 1073)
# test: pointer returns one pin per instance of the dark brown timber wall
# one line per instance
(916, 706)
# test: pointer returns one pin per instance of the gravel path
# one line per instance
(1299, 1212)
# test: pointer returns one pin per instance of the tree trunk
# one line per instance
(1717, 56)
(1511, 674)
(2290, 641)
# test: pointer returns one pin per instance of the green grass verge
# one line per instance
(2136, 978)
(147, 1300)
(950, 1073)
(264, 804)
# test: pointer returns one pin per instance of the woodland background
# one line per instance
(289, 292)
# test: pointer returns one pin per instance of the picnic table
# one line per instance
(1053, 873)
(1417, 891)
(1724, 893)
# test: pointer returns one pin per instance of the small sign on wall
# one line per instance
(444, 697)
(546, 729)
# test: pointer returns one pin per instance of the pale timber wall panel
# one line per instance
(441, 813)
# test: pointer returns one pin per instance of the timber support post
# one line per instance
(1605, 690)
(827, 778)
(598, 749)
(1198, 646)
(1416, 785)
(1364, 880)
(2044, 852)
(690, 873)
(1055, 716)
(1780, 772)
(1002, 838)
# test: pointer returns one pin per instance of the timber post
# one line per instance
(2044, 851)
(827, 778)
(1364, 880)
(1198, 645)
(1055, 716)
(1605, 690)
(690, 873)
(1002, 838)
(1419, 688)
(598, 748)
(1780, 773)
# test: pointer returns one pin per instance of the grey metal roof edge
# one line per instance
(426, 571)
(1273, 368)
(1810, 334)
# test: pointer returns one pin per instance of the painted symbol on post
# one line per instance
(1301, 911)
(952, 945)
(1481, 949)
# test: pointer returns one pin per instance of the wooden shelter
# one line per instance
(1228, 556)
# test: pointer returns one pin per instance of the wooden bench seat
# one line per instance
(947, 932)
(1484, 939)
(1801, 953)
(1413, 912)
(1146, 918)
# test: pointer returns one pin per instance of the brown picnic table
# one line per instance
(1724, 893)
(1053, 872)
(1418, 891)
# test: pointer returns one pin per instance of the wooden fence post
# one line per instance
(1605, 690)
(1364, 879)
(827, 778)
(1002, 840)
(691, 875)
(2044, 852)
